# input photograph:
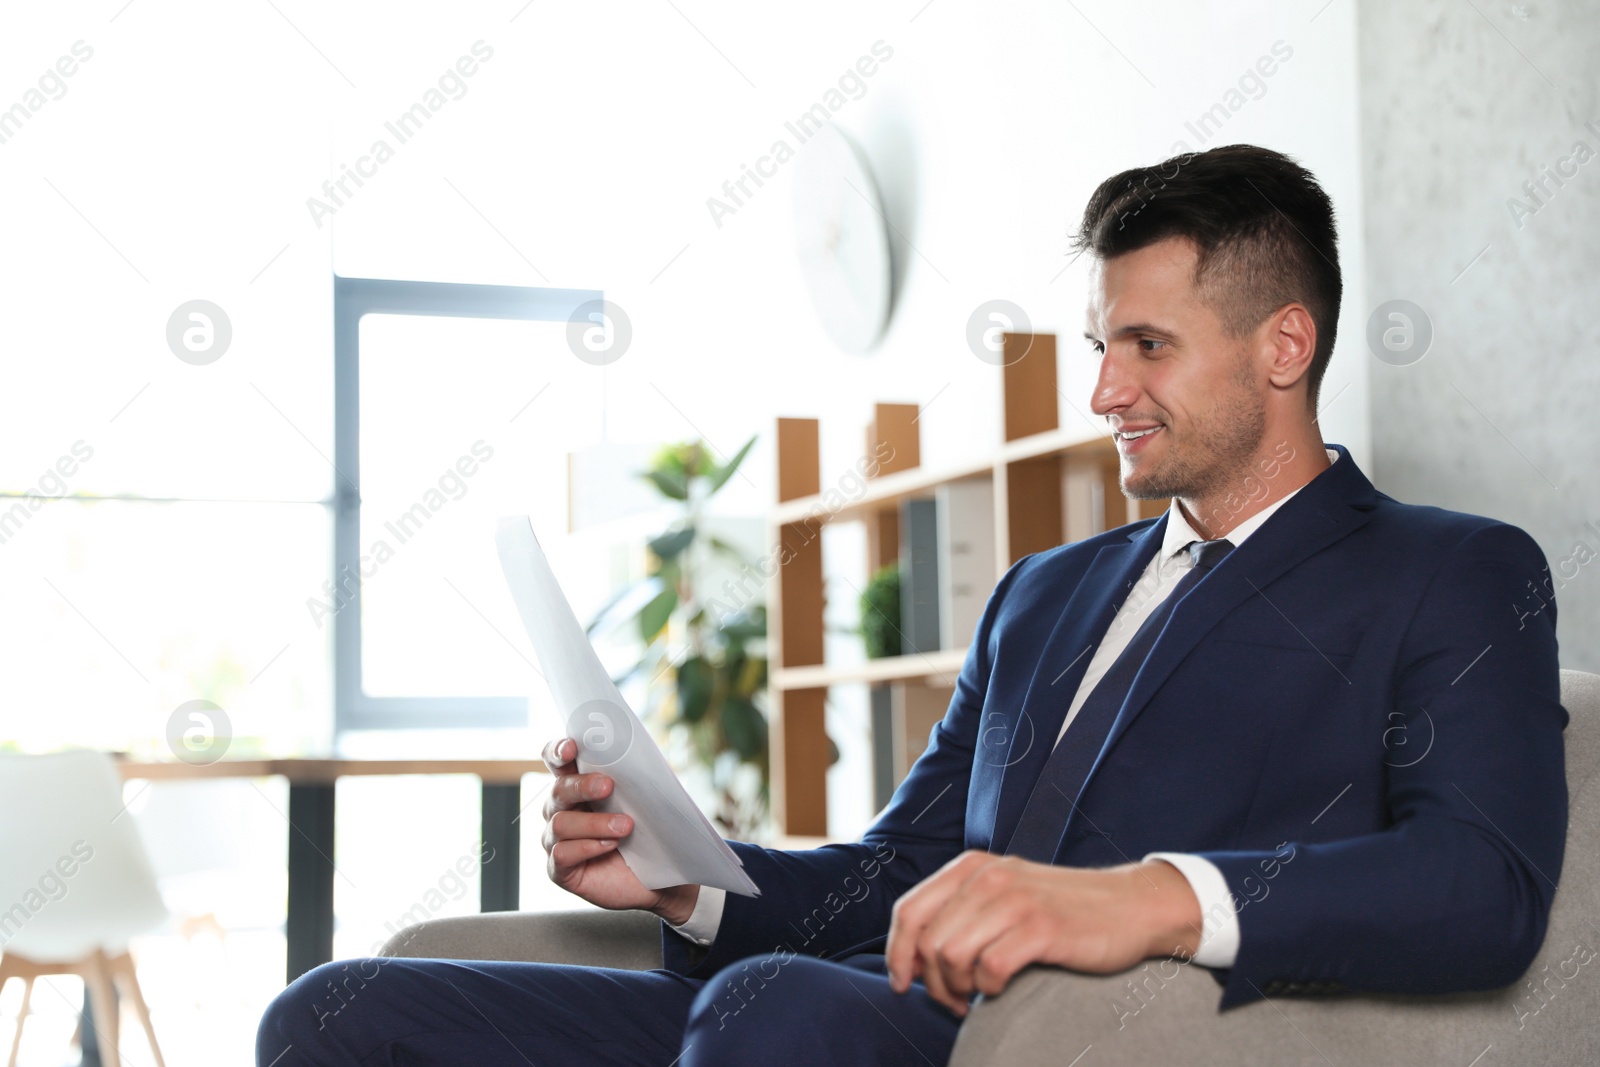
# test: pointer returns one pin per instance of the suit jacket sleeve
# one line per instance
(1455, 893)
(825, 901)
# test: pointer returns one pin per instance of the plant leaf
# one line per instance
(720, 475)
(671, 483)
(656, 613)
(731, 551)
(633, 590)
(696, 682)
(745, 727)
(667, 546)
(751, 677)
(742, 628)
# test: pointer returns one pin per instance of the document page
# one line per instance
(672, 843)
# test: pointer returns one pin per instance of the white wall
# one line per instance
(990, 125)
(582, 154)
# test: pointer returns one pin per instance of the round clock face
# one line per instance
(843, 239)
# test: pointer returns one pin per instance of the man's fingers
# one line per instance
(933, 977)
(900, 955)
(947, 952)
(917, 908)
(581, 825)
(976, 914)
(575, 790)
(1002, 958)
(561, 756)
(911, 915)
(954, 951)
(567, 855)
(577, 825)
(581, 788)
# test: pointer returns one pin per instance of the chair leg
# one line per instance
(96, 972)
(128, 978)
(22, 1015)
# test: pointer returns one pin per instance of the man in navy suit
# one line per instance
(1293, 730)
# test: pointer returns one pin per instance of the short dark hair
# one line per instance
(1263, 227)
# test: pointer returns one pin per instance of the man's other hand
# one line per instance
(582, 843)
(970, 927)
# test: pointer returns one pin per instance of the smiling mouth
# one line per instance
(1135, 440)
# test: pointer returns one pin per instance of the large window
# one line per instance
(161, 526)
(440, 430)
(206, 537)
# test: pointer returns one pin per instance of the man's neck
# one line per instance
(1220, 512)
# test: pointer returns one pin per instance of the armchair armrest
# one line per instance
(626, 940)
(1161, 1011)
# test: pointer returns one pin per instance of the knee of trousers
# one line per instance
(757, 1004)
(311, 1007)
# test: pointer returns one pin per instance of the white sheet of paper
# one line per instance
(672, 843)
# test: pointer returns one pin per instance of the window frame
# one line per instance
(353, 299)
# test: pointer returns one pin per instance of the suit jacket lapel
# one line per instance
(1080, 627)
(1329, 507)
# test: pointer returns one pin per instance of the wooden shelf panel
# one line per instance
(890, 489)
(942, 666)
(882, 491)
(1058, 443)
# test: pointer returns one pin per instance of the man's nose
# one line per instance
(1114, 387)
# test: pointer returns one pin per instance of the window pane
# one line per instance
(462, 421)
(118, 612)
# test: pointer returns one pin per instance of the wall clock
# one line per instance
(843, 239)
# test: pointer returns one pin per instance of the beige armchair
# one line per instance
(1162, 1010)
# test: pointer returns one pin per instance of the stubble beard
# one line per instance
(1210, 458)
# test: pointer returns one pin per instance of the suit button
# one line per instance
(1294, 987)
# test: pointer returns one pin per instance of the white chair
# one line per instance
(75, 886)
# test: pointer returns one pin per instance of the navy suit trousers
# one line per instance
(407, 1013)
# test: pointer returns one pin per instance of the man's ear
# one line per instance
(1292, 335)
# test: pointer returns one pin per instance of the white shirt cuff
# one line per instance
(701, 925)
(1219, 923)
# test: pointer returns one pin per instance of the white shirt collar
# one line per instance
(1180, 533)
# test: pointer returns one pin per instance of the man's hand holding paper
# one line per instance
(582, 843)
(667, 844)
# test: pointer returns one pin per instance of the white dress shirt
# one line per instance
(1219, 934)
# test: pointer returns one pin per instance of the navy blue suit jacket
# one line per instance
(1356, 716)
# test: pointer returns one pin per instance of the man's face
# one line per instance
(1166, 363)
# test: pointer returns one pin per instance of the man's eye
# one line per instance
(1098, 348)
(1150, 344)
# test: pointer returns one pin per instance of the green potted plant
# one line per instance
(704, 669)
(880, 612)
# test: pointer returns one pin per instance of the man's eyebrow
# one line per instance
(1134, 328)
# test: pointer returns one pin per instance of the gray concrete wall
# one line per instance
(1461, 104)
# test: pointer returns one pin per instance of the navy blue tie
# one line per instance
(1050, 805)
